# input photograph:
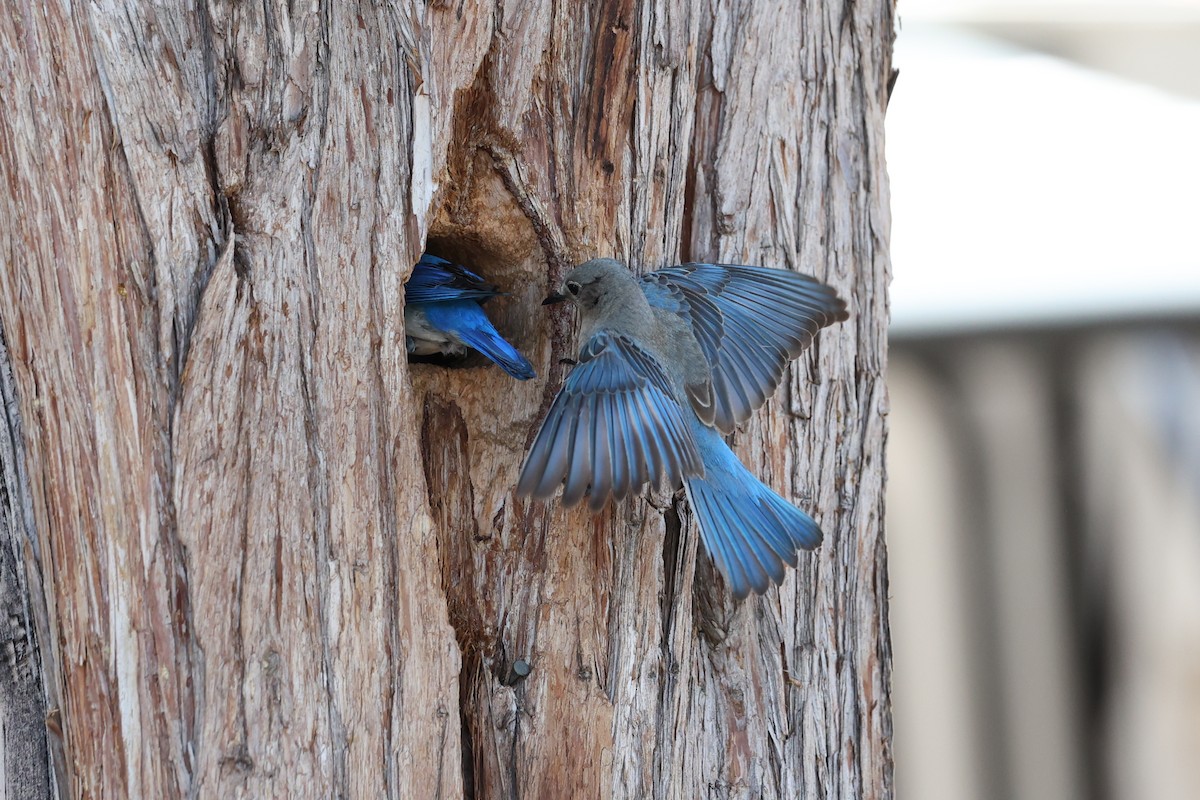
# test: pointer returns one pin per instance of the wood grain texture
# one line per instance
(280, 561)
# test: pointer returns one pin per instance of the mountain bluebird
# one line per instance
(443, 314)
(666, 363)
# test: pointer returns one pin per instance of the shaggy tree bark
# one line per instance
(276, 560)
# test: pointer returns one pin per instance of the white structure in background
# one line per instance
(1028, 189)
(1044, 471)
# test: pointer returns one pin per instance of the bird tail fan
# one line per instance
(749, 531)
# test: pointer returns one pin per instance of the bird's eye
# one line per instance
(573, 287)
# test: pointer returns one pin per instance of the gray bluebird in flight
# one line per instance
(668, 362)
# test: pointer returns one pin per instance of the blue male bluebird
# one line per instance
(666, 363)
(443, 314)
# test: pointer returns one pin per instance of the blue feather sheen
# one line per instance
(749, 321)
(602, 472)
(617, 379)
(579, 472)
(717, 540)
(750, 531)
(622, 473)
(466, 321)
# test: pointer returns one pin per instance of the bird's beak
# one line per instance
(554, 298)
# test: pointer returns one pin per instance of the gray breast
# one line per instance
(422, 339)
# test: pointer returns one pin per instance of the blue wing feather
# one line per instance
(435, 280)
(749, 321)
(609, 428)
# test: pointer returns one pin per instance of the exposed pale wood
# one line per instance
(279, 561)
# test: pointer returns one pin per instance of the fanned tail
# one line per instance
(751, 533)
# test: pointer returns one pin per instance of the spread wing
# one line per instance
(750, 322)
(435, 279)
(613, 427)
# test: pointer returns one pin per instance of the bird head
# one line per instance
(596, 287)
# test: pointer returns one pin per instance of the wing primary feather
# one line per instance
(578, 476)
(617, 445)
(619, 441)
(675, 443)
(558, 461)
(750, 322)
(640, 476)
(601, 458)
(656, 444)
(614, 427)
(542, 468)
(633, 440)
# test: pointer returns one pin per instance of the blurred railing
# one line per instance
(1044, 547)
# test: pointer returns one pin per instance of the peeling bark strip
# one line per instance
(277, 560)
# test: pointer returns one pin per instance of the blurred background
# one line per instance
(1044, 455)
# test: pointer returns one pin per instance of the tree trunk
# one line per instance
(24, 745)
(279, 561)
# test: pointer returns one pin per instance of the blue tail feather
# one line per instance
(751, 532)
(466, 321)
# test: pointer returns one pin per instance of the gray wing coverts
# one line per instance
(612, 428)
(749, 321)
